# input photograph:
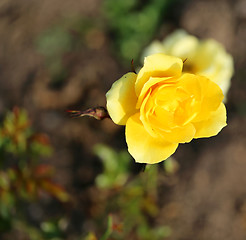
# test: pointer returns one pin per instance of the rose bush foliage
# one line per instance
(162, 107)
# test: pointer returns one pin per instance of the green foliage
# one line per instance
(170, 166)
(133, 200)
(18, 139)
(52, 229)
(116, 167)
(49, 230)
(134, 23)
(22, 177)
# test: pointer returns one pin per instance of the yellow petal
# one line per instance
(179, 134)
(121, 99)
(158, 65)
(190, 83)
(180, 44)
(224, 70)
(204, 91)
(206, 53)
(182, 134)
(213, 62)
(143, 147)
(165, 82)
(145, 111)
(162, 119)
(213, 125)
(212, 98)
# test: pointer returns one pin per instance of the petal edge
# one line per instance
(213, 125)
(121, 99)
(143, 147)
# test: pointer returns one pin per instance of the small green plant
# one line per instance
(22, 176)
(133, 199)
(116, 167)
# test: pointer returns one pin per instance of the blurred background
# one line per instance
(65, 178)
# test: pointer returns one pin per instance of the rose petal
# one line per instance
(165, 82)
(213, 62)
(204, 91)
(213, 125)
(158, 65)
(143, 147)
(121, 99)
(179, 134)
(206, 53)
(180, 44)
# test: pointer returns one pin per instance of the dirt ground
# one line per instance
(206, 199)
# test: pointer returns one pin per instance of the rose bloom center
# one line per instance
(166, 107)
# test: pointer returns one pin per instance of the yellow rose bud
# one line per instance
(162, 107)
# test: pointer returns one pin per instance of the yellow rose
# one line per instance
(162, 107)
(204, 57)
